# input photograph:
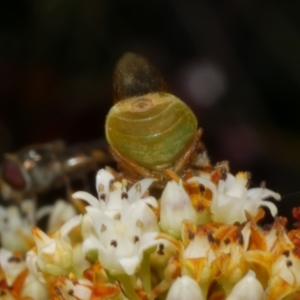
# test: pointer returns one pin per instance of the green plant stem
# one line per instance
(146, 274)
(128, 286)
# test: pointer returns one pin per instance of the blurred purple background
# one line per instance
(236, 63)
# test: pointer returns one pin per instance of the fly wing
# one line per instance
(136, 76)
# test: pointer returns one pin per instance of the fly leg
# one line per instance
(189, 155)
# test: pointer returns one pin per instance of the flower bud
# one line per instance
(175, 207)
(248, 288)
(185, 288)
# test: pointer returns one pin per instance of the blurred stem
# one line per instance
(146, 274)
(128, 286)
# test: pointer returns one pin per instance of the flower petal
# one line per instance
(69, 225)
(103, 181)
(90, 199)
(130, 264)
(262, 193)
(138, 189)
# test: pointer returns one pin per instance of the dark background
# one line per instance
(236, 63)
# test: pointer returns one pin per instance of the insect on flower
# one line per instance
(149, 129)
(39, 168)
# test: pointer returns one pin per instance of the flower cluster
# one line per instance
(199, 240)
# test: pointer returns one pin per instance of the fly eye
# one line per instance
(12, 175)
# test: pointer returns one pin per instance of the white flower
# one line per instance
(123, 223)
(80, 289)
(287, 266)
(15, 226)
(232, 199)
(16, 222)
(113, 197)
(200, 259)
(80, 263)
(59, 213)
(248, 288)
(277, 239)
(175, 207)
(121, 240)
(34, 289)
(199, 247)
(185, 288)
(12, 265)
(53, 255)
